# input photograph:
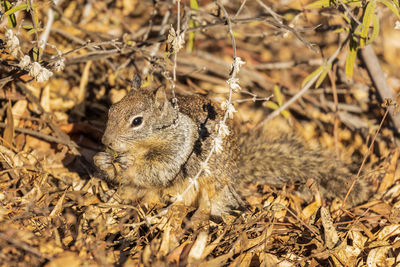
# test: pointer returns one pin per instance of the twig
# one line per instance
(178, 35)
(228, 20)
(24, 246)
(371, 146)
(378, 77)
(40, 135)
(270, 11)
(278, 23)
(332, 77)
(156, 47)
(287, 64)
(350, 13)
(300, 93)
(240, 8)
(33, 16)
(45, 35)
(65, 139)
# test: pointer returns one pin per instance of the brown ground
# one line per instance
(54, 212)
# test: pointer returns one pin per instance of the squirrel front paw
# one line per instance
(124, 160)
(104, 161)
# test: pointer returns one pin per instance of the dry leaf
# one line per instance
(18, 110)
(8, 134)
(66, 259)
(198, 247)
(379, 257)
(389, 178)
(388, 231)
(331, 235)
(45, 98)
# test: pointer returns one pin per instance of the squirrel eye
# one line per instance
(137, 121)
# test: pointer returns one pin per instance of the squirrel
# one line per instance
(155, 148)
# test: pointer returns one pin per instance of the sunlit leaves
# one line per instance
(322, 71)
(192, 24)
(279, 102)
(362, 27)
(351, 58)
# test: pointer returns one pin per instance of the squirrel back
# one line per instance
(282, 159)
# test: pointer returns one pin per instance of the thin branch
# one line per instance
(229, 26)
(378, 77)
(240, 8)
(156, 47)
(278, 23)
(24, 246)
(300, 93)
(50, 18)
(270, 11)
(371, 146)
(40, 135)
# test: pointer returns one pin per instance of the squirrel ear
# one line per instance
(136, 83)
(160, 98)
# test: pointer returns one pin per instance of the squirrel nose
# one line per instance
(106, 141)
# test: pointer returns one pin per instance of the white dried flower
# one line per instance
(218, 145)
(24, 62)
(397, 25)
(59, 65)
(229, 108)
(233, 84)
(223, 129)
(12, 42)
(39, 73)
(224, 105)
(34, 69)
(176, 40)
(44, 75)
(236, 65)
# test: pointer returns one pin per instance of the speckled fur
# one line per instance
(277, 161)
(155, 160)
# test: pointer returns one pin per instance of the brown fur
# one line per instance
(156, 159)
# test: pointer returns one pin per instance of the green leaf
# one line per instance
(192, 24)
(35, 53)
(278, 95)
(271, 105)
(351, 59)
(375, 31)
(191, 37)
(285, 113)
(15, 9)
(392, 7)
(32, 31)
(346, 18)
(354, 3)
(310, 76)
(324, 72)
(367, 18)
(12, 21)
(194, 4)
(320, 4)
(340, 30)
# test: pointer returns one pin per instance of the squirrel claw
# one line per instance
(124, 160)
(103, 160)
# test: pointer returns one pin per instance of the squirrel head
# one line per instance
(139, 116)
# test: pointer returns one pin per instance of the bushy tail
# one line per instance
(285, 159)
